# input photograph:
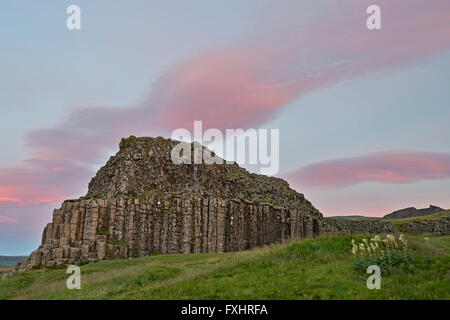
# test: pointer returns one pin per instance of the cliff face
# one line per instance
(91, 230)
(140, 203)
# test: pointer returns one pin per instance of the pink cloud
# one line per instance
(33, 182)
(7, 220)
(224, 89)
(382, 167)
(246, 84)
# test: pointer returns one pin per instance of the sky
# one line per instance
(363, 114)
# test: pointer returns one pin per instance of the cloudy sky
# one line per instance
(363, 114)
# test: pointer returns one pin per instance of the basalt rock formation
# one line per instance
(141, 203)
(440, 225)
(435, 223)
(343, 225)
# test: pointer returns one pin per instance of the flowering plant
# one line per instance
(385, 252)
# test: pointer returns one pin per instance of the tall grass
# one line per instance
(389, 253)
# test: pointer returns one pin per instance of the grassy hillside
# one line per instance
(309, 269)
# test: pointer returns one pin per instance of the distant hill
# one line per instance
(10, 260)
(412, 212)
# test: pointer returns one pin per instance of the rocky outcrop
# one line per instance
(439, 225)
(435, 223)
(85, 231)
(143, 169)
(141, 203)
(412, 212)
(339, 225)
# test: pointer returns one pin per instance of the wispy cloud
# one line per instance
(4, 219)
(382, 167)
(312, 47)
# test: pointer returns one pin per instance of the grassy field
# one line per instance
(309, 269)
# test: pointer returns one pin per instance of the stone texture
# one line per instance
(223, 226)
(338, 225)
(412, 212)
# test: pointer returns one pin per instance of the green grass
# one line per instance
(309, 269)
